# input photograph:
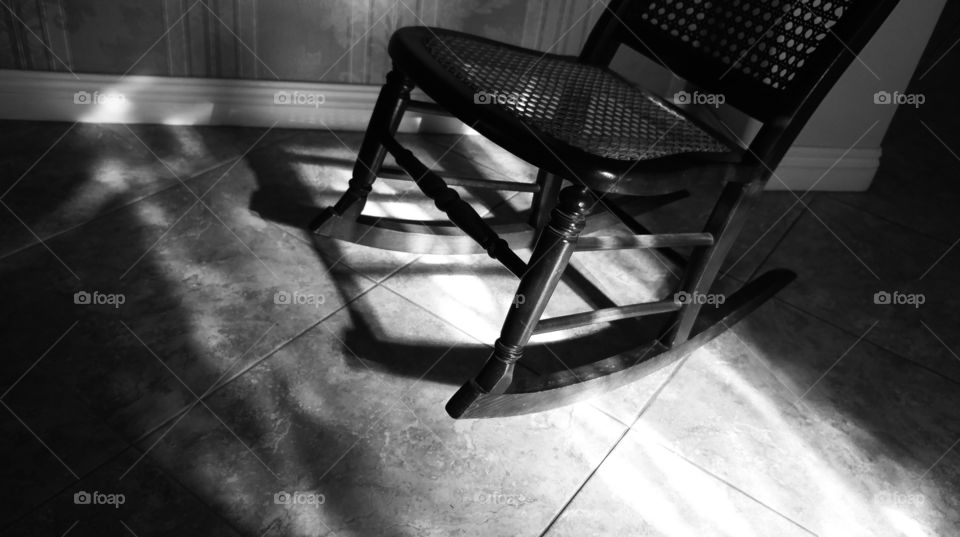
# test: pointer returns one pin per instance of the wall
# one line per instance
(300, 40)
(886, 64)
(206, 43)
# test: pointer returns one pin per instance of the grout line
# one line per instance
(829, 322)
(106, 213)
(576, 493)
(887, 220)
(854, 335)
(662, 387)
(480, 343)
(129, 447)
(253, 364)
(867, 339)
(650, 400)
(435, 316)
(307, 238)
(446, 322)
(607, 414)
(388, 276)
(736, 488)
(113, 210)
(209, 508)
(803, 212)
(37, 506)
(627, 429)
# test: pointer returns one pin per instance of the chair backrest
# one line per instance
(772, 59)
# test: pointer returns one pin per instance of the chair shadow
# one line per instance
(410, 358)
(280, 198)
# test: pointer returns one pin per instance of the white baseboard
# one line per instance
(46, 96)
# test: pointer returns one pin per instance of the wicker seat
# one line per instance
(585, 106)
(560, 114)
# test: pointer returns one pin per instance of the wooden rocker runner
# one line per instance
(577, 121)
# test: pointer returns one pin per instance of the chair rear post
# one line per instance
(603, 41)
(384, 122)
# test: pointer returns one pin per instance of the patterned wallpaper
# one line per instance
(303, 40)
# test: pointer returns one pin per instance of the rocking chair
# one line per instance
(576, 120)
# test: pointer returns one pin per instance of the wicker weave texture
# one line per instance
(584, 106)
(767, 40)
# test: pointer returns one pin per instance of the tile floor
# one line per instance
(199, 398)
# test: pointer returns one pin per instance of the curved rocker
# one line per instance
(530, 394)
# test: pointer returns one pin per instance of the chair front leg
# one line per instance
(387, 114)
(550, 257)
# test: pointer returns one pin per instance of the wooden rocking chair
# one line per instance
(576, 120)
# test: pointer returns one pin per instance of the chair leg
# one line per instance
(391, 104)
(544, 200)
(725, 223)
(547, 263)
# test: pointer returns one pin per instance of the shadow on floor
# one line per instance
(134, 367)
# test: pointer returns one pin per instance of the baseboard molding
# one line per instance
(47, 96)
